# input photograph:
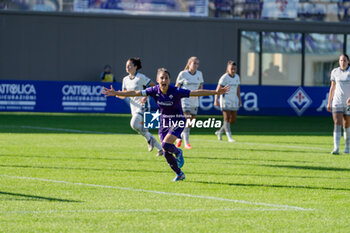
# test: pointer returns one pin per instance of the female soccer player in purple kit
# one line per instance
(168, 99)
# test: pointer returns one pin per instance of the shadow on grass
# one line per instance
(192, 158)
(270, 186)
(148, 160)
(243, 159)
(87, 169)
(291, 150)
(35, 197)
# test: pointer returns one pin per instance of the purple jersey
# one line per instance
(169, 103)
(170, 108)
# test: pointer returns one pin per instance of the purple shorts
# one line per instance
(176, 131)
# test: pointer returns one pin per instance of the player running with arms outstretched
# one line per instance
(168, 99)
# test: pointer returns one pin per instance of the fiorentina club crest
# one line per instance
(299, 101)
(281, 4)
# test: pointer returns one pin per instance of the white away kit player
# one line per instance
(136, 81)
(339, 93)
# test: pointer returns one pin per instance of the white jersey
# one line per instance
(190, 82)
(342, 86)
(138, 83)
(230, 100)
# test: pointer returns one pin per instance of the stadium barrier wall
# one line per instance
(75, 97)
(54, 46)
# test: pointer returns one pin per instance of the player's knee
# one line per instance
(166, 146)
(135, 126)
(132, 125)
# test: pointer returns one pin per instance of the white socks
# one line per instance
(227, 128)
(222, 128)
(136, 124)
(186, 135)
(337, 136)
(156, 143)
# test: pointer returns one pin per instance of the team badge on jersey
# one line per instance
(299, 101)
(151, 120)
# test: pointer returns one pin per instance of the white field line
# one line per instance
(264, 144)
(140, 210)
(162, 193)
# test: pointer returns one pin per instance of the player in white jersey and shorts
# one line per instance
(339, 93)
(136, 81)
(229, 102)
(191, 79)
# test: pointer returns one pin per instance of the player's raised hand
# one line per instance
(223, 90)
(109, 92)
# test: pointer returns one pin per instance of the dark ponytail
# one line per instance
(136, 61)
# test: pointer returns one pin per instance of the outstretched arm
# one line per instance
(111, 92)
(203, 92)
(121, 97)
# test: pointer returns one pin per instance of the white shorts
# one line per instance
(341, 108)
(228, 105)
(190, 105)
(191, 110)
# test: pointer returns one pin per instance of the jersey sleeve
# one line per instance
(222, 81)
(145, 80)
(180, 78)
(183, 92)
(332, 75)
(201, 80)
(149, 91)
(239, 80)
(123, 85)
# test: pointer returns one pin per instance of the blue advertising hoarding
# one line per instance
(50, 96)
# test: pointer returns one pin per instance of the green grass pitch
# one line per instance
(92, 173)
